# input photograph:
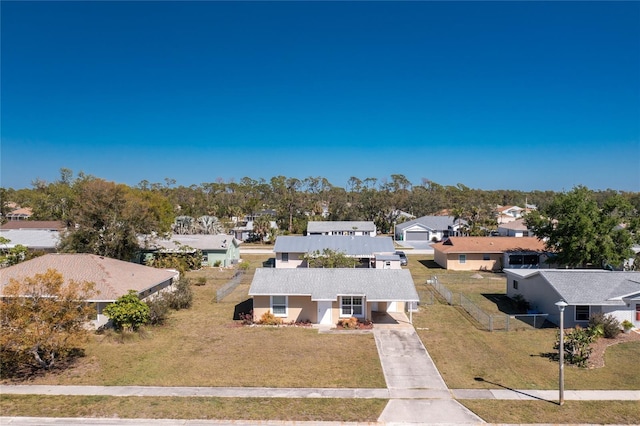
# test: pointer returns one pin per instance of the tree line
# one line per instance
(106, 217)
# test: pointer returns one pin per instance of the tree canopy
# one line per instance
(42, 321)
(585, 234)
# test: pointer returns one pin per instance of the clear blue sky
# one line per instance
(494, 95)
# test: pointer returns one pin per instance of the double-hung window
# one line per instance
(351, 306)
(462, 258)
(279, 306)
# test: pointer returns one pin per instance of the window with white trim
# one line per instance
(462, 258)
(279, 306)
(582, 313)
(351, 306)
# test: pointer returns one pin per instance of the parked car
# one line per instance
(403, 258)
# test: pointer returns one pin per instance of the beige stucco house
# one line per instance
(324, 296)
(112, 278)
(489, 253)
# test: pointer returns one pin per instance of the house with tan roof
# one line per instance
(516, 228)
(490, 253)
(112, 278)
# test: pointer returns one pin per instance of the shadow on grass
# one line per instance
(480, 379)
(505, 304)
(431, 264)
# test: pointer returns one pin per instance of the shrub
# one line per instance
(201, 281)
(577, 348)
(247, 319)
(244, 265)
(158, 310)
(128, 312)
(217, 263)
(269, 318)
(627, 325)
(607, 323)
(348, 323)
(182, 296)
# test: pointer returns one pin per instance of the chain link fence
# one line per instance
(233, 283)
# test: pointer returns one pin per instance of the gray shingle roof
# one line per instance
(357, 245)
(330, 226)
(435, 223)
(328, 284)
(591, 287)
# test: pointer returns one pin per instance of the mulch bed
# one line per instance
(596, 360)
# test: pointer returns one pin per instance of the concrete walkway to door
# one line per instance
(417, 391)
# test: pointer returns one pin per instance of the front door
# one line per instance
(324, 312)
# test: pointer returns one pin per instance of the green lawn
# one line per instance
(203, 346)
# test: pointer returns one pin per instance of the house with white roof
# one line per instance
(325, 295)
(586, 291)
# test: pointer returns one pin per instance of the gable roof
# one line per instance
(208, 242)
(589, 286)
(488, 244)
(337, 226)
(351, 245)
(329, 283)
(516, 225)
(113, 278)
(435, 223)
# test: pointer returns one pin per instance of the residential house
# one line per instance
(489, 253)
(586, 291)
(20, 213)
(325, 295)
(33, 239)
(428, 228)
(217, 250)
(112, 278)
(290, 250)
(346, 227)
(244, 232)
(516, 228)
(506, 214)
(46, 225)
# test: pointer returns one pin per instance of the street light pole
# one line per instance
(561, 305)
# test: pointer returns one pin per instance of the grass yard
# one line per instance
(517, 360)
(203, 346)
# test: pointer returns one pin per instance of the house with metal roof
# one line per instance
(324, 296)
(586, 291)
(290, 250)
(112, 278)
(33, 239)
(490, 253)
(346, 227)
(428, 228)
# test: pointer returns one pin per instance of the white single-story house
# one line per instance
(516, 228)
(346, 227)
(290, 250)
(586, 291)
(427, 228)
(112, 278)
(217, 250)
(324, 296)
(489, 253)
(245, 232)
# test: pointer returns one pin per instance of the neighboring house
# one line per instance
(346, 227)
(324, 296)
(506, 214)
(22, 213)
(112, 278)
(516, 228)
(244, 232)
(427, 228)
(217, 250)
(33, 239)
(489, 253)
(587, 291)
(290, 250)
(47, 225)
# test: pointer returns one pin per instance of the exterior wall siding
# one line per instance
(294, 261)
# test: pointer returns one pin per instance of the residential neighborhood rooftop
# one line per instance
(351, 245)
(489, 244)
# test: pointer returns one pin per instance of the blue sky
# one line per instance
(494, 95)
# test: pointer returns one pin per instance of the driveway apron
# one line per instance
(418, 392)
